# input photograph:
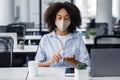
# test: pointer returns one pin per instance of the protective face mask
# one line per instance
(62, 25)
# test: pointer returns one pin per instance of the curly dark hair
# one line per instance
(72, 10)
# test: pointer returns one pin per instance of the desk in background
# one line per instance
(27, 49)
(27, 54)
(88, 42)
(32, 39)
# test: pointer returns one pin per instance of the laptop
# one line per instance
(105, 62)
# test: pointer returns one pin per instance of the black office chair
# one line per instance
(3, 29)
(116, 31)
(6, 50)
(107, 41)
(19, 28)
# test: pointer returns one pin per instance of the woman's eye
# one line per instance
(67, 18)
(59, 18)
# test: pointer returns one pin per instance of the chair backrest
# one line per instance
(29, 25)
(3, 29)
(107, 41)
(101, 29)
(19, 28)
(6, 49)
(13, 35)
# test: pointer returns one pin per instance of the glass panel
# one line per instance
(88, 10)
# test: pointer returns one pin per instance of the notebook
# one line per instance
(105, 62)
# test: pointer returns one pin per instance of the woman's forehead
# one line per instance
(62, 12)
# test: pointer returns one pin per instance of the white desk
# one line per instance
(44, 73)
(57, 73)
(88, 40)
(27, 48)
(13, 73)
(51, 73)
(32, 37)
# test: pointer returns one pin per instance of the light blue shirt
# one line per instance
(74, 44)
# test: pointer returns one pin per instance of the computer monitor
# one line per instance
(101, 29)
(29, 25)
(13, 35)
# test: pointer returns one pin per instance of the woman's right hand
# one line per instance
(56, 57)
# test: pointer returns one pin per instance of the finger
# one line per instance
(73, 56)
(56, 58)
(65, 59)
(59, 55)
(55, 61)
(61, 51)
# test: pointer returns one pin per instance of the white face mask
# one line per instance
(62, 25)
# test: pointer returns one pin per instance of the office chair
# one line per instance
(6, 50)
(116, 31)
(2, 29)
(19, 28)
(107, 41)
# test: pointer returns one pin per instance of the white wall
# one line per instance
(6, 12)
(24, 10)
(21, 10)
(28, 11)
(104, 13)
(34, 12)
(116, 8)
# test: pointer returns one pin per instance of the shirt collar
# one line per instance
(71, 36)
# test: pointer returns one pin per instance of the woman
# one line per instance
(62, 46)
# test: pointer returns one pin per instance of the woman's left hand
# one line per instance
(71, 60)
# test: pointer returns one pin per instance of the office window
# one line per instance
(115, 10)
(88, 10)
